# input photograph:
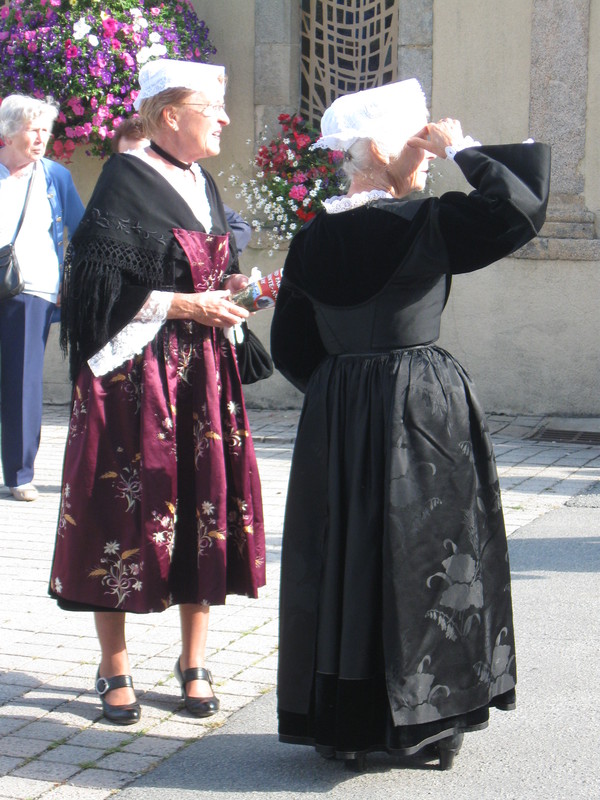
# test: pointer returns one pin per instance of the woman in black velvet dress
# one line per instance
(396, 619)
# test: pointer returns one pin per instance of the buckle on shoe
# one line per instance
(102, 686)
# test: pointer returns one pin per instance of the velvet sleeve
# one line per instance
(506, 210)
(296, 345)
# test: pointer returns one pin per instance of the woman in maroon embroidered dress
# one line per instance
(161, 500)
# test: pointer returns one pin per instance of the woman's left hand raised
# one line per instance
(436, 136)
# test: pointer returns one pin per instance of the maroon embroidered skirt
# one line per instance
(161, 499)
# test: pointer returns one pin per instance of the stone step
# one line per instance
(569, 213)
(547, 248)
(560, 229)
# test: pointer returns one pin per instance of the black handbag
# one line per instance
(254, 363)
(11, 280)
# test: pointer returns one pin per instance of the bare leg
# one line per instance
(110, 627)
(194, 630)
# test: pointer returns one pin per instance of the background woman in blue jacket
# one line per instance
(25, 127)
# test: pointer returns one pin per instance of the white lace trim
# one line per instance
(334, 205)
(134, 336)
(452, 150)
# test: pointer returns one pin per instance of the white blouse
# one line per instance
(34, 246)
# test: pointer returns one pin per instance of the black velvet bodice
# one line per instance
(395, 317)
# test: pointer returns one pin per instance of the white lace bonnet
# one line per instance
(164, 73)
(388, 114)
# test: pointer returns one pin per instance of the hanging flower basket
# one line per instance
(86, 54)
(290, 182)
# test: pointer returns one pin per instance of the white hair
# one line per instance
(17, 110)
(358, 158)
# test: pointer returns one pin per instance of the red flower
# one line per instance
(305, 215)
(302, 140)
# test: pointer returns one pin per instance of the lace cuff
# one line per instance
(452, 150)
(134, 336)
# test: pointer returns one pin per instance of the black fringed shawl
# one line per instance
(123, 249)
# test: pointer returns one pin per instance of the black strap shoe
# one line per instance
(198, 706)
(126, 714)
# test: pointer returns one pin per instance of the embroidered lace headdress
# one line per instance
(164, 73)
(391, 113)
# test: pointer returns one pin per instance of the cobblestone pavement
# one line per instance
(53, 741)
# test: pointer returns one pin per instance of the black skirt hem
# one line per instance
(400, 752)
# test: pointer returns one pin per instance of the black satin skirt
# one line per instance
(396, 620)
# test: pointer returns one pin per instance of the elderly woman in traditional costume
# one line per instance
(396, 621)
(130, 135)
(161, 500)
(45, 191)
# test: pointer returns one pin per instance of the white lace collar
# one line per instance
(334, 205)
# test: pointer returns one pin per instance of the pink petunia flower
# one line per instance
(110, 27)
(298, 192)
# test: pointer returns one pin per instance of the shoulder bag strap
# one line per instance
(25, 204)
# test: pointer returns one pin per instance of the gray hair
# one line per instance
(358, 158)
(151, 108)
(17, 110)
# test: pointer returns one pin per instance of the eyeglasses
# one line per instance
(209, 109)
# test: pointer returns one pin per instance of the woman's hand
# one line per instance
(235, 282)
(437, 136)
(214, 309)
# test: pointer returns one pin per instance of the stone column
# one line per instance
(276, 62)
(560, 39)
(415, 42)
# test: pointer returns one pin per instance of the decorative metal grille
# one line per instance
(347, 45)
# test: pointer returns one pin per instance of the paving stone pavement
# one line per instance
(53, 741)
